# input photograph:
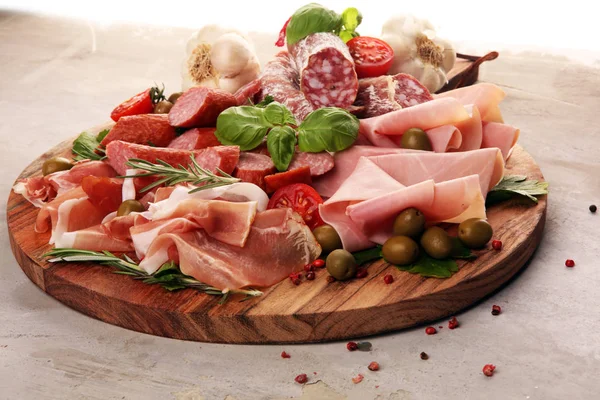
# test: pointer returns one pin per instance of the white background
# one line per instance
(569, 28)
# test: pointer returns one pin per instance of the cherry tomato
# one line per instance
(372, 56)
(141, 103)
(301, 198)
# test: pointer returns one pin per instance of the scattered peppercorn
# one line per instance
(310, 275)
(570, 263)
(358, 378)
(453, 323)
(364, 346)
(330, 279)
(424, 356)
(309, 267)
(497, 245)
(285, 355)
(593, 208)
(295, 278)
(374, 366)
(361, 273)
(302, 378)
(430, 330)
(318, 263)
(496, 310)
(351, 346)
(488, 369)
(388, 279)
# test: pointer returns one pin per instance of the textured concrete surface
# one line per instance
(59, 77)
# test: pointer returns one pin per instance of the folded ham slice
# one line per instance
(445, 138)
(279, 243)
(501, 136)
(485, 96)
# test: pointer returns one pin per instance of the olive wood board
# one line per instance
(314, 311)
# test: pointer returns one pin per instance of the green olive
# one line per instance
(400, 250)
(341, 265)
(129, 206)
(163, 107)
(328, 238)
(415, 139)
(475, 233)
(173, 98)
(436, 242)
(56, 164)
(409, 222)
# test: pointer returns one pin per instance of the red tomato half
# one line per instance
(372, 56)
(141, 103)
(301, 198)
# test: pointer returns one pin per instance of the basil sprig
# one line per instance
(326, 129)
(313, 18)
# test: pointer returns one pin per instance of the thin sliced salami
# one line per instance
(253, 167)
(199, 107)
(326, 70)
(319, 163)
(280, 80)
(387, 93)
(196, 138)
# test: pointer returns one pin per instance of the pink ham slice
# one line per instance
(279, 243)
(445, 138)
(485, 96)
(222, 157)
(501, 136)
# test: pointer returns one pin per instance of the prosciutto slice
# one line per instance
(485, 96)
(279, 243)
(501, 136)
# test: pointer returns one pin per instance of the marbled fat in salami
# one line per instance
(326, 70)
(280, 80)
(388, 93)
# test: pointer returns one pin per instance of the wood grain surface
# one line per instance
(314, 311)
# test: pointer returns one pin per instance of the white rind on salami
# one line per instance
(326, 70)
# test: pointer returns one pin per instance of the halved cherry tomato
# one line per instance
(301, 198)
(372, 56)
(141, 103)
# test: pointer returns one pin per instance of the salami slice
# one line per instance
(200, 107)
(281, 179)
(280, 80)
(151, 129)
(326, 70)
(319, 163)
(196, 138)
(253, 167)
(387, 93)
(247, 93)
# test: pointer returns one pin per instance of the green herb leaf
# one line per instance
(351, 18)
(312, 18)
(327, 129)
(102, 135)
(244, 126)
(368, 255)
(278, 114)
(266, 101)
(430, 267)
(459, 250)
(281, 143)
(516, 185)
(85, 145)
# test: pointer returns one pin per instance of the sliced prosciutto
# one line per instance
(485, 96)
(279, 243)
(222, 157)
(501, 136)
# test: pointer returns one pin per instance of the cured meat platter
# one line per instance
(349, 186)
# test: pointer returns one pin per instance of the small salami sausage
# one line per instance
(151, 129)
(326, 70)
(196, 138)
(247, 93)
(200, 107)
(253, 168)
(319, 163)
(281, 179)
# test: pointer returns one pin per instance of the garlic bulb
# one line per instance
(418, 51)
(219, 58)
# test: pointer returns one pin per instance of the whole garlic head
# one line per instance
(418, 50)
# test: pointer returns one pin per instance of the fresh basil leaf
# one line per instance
(327, 129)
(312, 18)
(346, 35)
(430, 267)
(265, 102)
(281, 143)
(243, 126)
(351, 18)
(368, 255)
(516, 185)
(278, 114)
(84, 147)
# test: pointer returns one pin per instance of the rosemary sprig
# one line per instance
(196, 175)
(168, 276)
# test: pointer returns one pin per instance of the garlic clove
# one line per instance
(230, 54)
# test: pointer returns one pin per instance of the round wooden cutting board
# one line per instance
(314, 311)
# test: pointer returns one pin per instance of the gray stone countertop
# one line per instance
(59, 77)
